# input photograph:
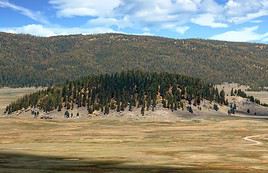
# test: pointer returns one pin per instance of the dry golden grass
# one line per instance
(209, 145)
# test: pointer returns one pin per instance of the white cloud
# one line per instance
(103, 21)
(240, 11)
(210, 6)
(143, 34)
(40, 30)
(24, 11)
(248, 17)
(208, 20)
(173, 27)
(154, 13)
(182, 29)
(249, 34)
(71, 8)
(140, 13)
(108, 22)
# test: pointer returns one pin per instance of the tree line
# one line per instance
(243, 94)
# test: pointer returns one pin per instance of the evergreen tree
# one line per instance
(120, 91)
(222, 97)
(142, 110)
(232, 92)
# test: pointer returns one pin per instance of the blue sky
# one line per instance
(231, 20)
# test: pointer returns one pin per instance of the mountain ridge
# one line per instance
(137, 35)
(27, 60)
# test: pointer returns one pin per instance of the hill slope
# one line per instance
(122, 91)
(28, 60)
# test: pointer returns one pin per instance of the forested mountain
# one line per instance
(122, 91)
(29, 60)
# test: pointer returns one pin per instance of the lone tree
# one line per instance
(66, 114)
(142, 110)
(232, 92)
(222, 97)
(215, 107)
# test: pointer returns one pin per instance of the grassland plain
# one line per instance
(191, 144)
(214, 144)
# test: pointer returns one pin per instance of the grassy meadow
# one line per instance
(205, 144)
(212, 145)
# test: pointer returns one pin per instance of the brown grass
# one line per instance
(208, 143)
(187, 146)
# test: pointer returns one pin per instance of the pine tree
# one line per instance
(222, 97)
(142, 110)
(119, 91)
(232, 92)
(59, 107)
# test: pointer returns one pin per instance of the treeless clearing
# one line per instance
(211, 144)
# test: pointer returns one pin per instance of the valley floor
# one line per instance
(207, 141)
(189, 144)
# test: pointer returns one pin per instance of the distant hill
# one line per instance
(122, 91)
(28, 60)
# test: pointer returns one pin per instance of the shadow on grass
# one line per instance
(25, 163)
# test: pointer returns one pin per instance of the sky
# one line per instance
(229, 20)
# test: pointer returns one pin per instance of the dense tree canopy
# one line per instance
(122, 91)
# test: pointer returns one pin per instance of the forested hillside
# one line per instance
(122, 91)
(28, 60)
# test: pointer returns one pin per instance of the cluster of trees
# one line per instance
(46, 100)
(122, 91)
(241, 93)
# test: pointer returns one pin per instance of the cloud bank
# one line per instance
(152, 12)
(150, 17)
(245, 35)
(43, 31)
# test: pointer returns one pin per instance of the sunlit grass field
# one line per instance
(209, 144)
(212, 145)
